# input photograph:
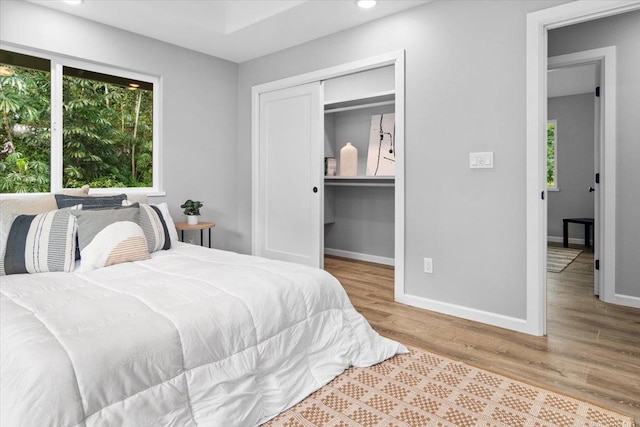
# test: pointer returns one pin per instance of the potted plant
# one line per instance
(192, 211)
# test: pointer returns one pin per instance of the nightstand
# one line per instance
(182, 226)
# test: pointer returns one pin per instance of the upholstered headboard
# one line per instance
(40, 203)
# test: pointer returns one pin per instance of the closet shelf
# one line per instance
(360, 181)
(374, 100)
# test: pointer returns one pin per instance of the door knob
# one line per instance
(591, 189)
(315, 189)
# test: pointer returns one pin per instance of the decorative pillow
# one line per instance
(110, 236)
(40, 243)
(3, 235)
(90, 202)
(173, 233)
(155, 228)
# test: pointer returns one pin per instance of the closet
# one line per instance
(359, 210)
(298, 213)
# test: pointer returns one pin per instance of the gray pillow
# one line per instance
(89, 202)
(110, 236)
(91, 222)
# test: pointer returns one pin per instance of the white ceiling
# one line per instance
(236, 30)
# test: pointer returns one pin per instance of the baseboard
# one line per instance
(499, 320)
(572, 240)
(626, 300)
(359, 256)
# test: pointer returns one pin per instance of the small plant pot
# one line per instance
(192, 219)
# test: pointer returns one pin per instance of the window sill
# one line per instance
(146, 191)
(94, 191)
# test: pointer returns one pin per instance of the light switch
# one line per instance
(481, 160)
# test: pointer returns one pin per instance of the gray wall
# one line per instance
(364, 220)
(364, 216)
(622, 31)
(199, 103)
(575, 116)
(465, 92)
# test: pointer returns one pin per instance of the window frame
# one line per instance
(57, 63)
(554, 187)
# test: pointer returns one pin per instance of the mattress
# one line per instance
(190, 337)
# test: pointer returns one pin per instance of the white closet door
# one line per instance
(290, 174)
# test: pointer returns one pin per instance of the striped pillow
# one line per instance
(40, 243)
(154, 227)
(166, 216)
(110, 236)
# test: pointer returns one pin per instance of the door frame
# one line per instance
(397, 59)
(538, 25)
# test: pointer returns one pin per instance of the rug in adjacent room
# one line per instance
(422, 389)
(559, 258)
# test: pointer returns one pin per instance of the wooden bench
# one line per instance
(588, 224)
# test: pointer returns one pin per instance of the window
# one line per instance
(108, 137)
(552, 155)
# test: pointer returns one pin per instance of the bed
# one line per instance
(190, 336)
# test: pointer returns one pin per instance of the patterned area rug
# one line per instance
(423, 389)
(558, 258)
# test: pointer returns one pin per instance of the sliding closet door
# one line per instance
(290, 172)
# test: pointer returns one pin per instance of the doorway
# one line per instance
(573, 162)
(574, 118)
(538, 25)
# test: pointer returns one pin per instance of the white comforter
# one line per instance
(191, 337)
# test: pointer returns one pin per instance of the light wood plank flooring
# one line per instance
(591, 352)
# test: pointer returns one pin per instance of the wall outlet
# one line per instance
(428, 265)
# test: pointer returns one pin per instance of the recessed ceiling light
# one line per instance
(366, 4)
(73, 2)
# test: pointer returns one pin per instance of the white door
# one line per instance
(597, 192)
(290, 172)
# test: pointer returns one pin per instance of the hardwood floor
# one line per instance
(591, 352)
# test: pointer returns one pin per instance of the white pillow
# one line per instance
(3, 237)
(173, 233)
(4, 233)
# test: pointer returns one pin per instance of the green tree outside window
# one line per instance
(552, 167)
(25, 136)
(107, 131)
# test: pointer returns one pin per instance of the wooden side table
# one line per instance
(182, 226)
